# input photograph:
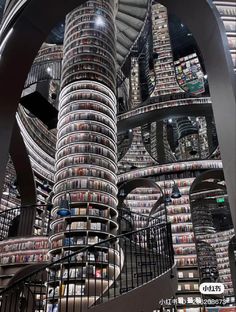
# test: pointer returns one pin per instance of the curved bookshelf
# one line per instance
(86, 154)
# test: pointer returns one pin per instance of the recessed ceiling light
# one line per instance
(100, 21)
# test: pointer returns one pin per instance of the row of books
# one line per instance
(182, 228)
(66, 290)
(24, 245)
(75, 160)
(86, 106)
(90, 184)
(180, 218)
(186, 261)
(192, 274)
(170, 103)
(189, 286)
(184, 250)
(89, 197)
(73, 241)
(76, 148)
(178, 209)
(90, 211)
(186, 166)
(181, 239)
(85, 271)
(87, 226)
(88, 101)
(20, 258)
(88, 126)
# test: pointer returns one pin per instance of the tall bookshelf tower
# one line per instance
(163, 66)
(86, 154)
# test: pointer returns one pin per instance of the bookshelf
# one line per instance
(86, 158)
(137, 155)
(189, 74)
(18, 252)
(214, 230)
(219, 242)
(170, 169)
(228, 13)
(135, 83)
(13, 198)
(156, 105)
(141, 201)
(163, 66)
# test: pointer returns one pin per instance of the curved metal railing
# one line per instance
(94, 274)
(10, 220)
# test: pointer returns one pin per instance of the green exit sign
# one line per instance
(220, 200)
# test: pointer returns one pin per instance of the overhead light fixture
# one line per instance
(49, 69)
(64, 208)
(99, 21)
(205, 77)
(175, 191)
(6, 192)
(170, 120)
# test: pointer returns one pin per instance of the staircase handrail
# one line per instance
(142, 241)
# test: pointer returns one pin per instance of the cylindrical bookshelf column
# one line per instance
(86, 158)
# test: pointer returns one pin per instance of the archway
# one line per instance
(137, 200)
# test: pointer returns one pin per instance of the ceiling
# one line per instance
(182, 40)
(130, 21)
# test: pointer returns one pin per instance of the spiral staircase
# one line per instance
(140, 264)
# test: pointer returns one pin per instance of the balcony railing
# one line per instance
(94, 274)
(25, 221)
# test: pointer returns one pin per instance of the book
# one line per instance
(69, 290)
(52, 307)
(79, 290)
